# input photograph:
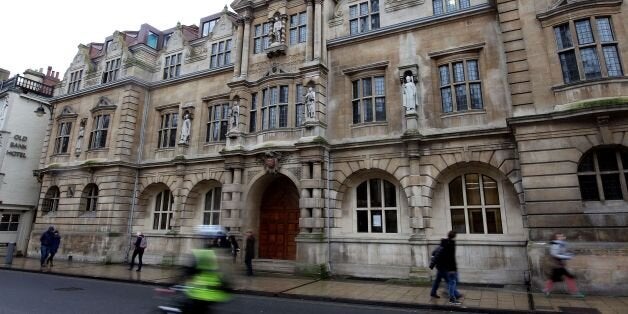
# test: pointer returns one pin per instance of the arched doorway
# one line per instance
(279, 220)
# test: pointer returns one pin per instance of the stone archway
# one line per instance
(279, 220)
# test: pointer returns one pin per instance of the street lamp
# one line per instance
(40, 110)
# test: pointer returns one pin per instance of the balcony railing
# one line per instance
(27, 85)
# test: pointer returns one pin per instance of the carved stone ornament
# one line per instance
(271, 161)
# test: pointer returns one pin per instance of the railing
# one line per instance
(27, 85)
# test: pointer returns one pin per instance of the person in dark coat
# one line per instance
(56, 241)
(249, 252)
(235, 248)
(46, 241)
(446, 264)
(140, 245)
(555, 266)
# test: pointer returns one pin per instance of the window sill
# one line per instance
(462, 113)
(85, 214)
(61, 155)
(584, 83)
(369, 124)
(215, 143)
(164, 149)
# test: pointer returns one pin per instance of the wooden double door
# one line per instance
(279, 220)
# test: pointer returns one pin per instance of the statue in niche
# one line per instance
(278, 29)
(185, 129)
(409, 94)
(310, 104)
(234, 116)
(79, 139)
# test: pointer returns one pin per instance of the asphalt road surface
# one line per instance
(35, 293)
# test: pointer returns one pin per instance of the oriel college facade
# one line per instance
(352, 135)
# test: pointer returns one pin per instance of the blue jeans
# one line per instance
(45, 251)
(440, 275)
(452, 281)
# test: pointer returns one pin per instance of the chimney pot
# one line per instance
(49, 69)
(57, 75)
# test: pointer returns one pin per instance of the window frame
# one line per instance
(163, 209)
(261, 39)
(110, 74)
(361, 16)
(210, 27)
(172, 70)
(369, 209)
(599, 173)
(473, 207)
(215, 123)
(168, 123)
(444, 7)
(50, 202)
(63, 139)
(74, 85)
(253, 112)
(299, 106)
(360, 98)
(274, 113)
(597, 45)
(211, 210)
(13, 219)
(300, 29)
(99, 131)
(220, 54)
(90, 198)
(453, 84)
(149, 36)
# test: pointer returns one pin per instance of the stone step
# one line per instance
(274, 266)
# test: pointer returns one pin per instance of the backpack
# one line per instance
(144, 243)
(436, 254)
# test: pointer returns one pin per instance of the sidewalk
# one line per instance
(490, 300)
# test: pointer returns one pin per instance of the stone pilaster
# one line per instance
(309, 51)
(128, 124)
(318, 29)
(238, 51)
(244, 67)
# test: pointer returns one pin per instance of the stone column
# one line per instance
(244, 67)
(238, 51)
(318, 34)
(310, 31)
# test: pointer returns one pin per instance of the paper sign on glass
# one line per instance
(377, 220)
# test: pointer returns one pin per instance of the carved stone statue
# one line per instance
(185, 129)
(409, 94)
(234, 117)
(310, 104)
(4, 108)
(278, 30)
(79, 139)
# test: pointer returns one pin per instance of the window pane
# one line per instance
(380, 109)
(458, 72)
(155, 221)
(588, 188)
(299, 117)
(353, 11)
(611, 186)
(364, 9)
(379, 86)
(624, 160)
(491, 197)
(451, 5)
(591, 63)
(586, 164)
(606, 159)
(476, 95)
(293, 36)
(355, 89)
(207, 218)
(363, 221)
(444, 75)
(5, 218)
(208, 200)
(367, 89)
(368, 110)
(613, 66)
(283, 94)
(437, 5)
(283, 116)
(353, 25)
(457, 221)
(583, 30)
(272, 118)
(461, 98)
(376, 221)
(476, 222)
(164, 221)
(374, 21)
(472, 68)
(472, 183)
(493, 221)
(361, 195)
(390, 195)
(563, 36)
(356, 112)
(464, 4)
(569, 66)
(604, 29)
(391, 221)
(455, 192)
(215, 218)
(447, 101)
(376, 192)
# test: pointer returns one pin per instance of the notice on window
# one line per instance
(377, 220)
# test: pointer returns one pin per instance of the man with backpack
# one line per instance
(444, 259)
(140, 245)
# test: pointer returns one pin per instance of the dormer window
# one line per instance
(166, 39)
(112, 67)
(208, 26)
(75, 81)
(151, 40)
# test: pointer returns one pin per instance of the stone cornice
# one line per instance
(575, 110)
(410, 25)
(565, 11)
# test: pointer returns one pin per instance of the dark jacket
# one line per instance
(250, 248)
(56, 241)
(47, 238)
(447, 257)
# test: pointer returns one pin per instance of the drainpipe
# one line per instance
(137, 175)
(328, 209)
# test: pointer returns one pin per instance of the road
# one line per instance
(34, 293)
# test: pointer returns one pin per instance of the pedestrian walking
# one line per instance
(56, 242)
(555, 266)
(235, 248)
(444, 259)
(140, 245)
(249, 252)
(46, 241)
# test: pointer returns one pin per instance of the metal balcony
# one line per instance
(27, 86)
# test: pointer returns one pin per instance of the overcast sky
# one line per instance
(37, 33)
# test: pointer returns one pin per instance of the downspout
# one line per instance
(328, 209)
(137, 175)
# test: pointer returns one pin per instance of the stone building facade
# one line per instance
(352, 135)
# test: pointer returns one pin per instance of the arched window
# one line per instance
(474, 205)
(163, 210)
(211, 211)
(51, 200)
(90, 198)
(376, 207)
(602, 174)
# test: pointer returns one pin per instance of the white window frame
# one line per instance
(370, 209)
(210, 212)
(172, 66)
(163, 210)
(75, 81)
(64, 130)
(110, 74)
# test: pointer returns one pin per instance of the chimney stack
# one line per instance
(49, 69)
